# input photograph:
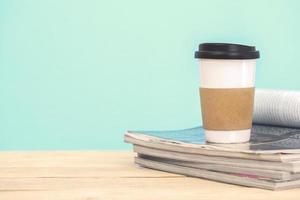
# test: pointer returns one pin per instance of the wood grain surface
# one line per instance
(93, 175)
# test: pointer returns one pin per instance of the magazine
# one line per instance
(270, 143)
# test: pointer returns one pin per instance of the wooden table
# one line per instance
(92, 175)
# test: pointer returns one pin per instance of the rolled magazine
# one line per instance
(277, 107)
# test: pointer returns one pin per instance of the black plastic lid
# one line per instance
(226, 51)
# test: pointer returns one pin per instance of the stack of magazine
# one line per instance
(271, 160)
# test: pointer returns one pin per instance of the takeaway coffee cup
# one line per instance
(227, 79)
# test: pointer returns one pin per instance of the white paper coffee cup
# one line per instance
(227, 81)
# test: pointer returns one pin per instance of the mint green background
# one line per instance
(77, 74)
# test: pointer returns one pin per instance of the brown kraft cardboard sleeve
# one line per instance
(227, 109)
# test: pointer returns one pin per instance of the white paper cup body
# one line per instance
(227, 74)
